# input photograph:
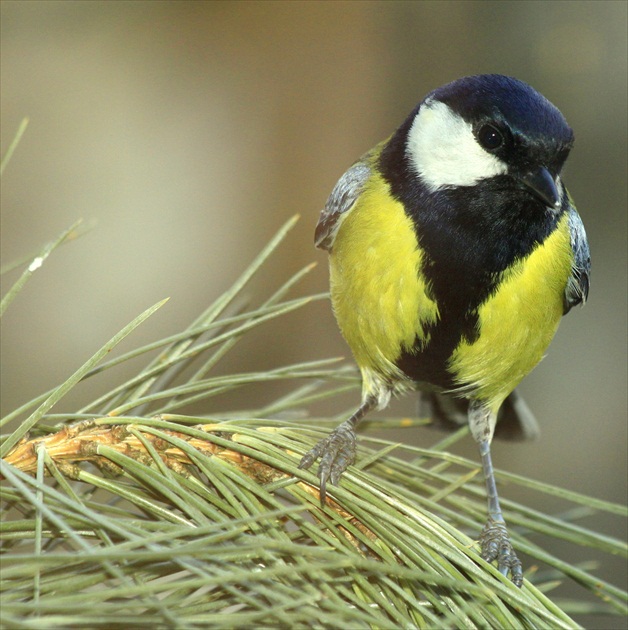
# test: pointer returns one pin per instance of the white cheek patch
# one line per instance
(444, 152)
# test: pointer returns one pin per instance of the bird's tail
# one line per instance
(515, 420)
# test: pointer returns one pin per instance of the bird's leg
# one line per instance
(494, 539)
(337, 451)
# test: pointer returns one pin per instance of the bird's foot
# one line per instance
(496, 545)
(337, 453)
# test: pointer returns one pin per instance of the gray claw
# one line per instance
(310, 457)
(337, 452)
(496, 545)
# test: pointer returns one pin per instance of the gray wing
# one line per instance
(577, 290)
(340, 202)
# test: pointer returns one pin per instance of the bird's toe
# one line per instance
(336, 452)
(496, 545)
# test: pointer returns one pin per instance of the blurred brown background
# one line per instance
(191, 130)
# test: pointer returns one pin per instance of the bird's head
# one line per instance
(489, 126)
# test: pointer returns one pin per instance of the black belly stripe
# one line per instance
(429, 365)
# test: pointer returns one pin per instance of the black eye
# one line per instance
(490, 137)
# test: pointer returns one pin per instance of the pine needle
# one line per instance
(140, 515)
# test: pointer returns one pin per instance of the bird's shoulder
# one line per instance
(343, 197)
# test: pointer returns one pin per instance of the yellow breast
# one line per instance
(382, 307)
(378, 296)
(518, 321)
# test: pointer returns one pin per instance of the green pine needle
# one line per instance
(143, 515)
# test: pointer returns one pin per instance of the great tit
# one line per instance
(454, 251)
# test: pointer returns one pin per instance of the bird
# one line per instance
(454, 251)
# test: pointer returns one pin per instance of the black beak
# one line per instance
(542, 184)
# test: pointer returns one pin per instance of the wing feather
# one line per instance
(340, 202)
(577, 289)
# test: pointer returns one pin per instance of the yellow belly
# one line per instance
(382, 307)
(378, 297)
(518, 322)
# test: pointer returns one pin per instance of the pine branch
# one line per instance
(182, 521)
